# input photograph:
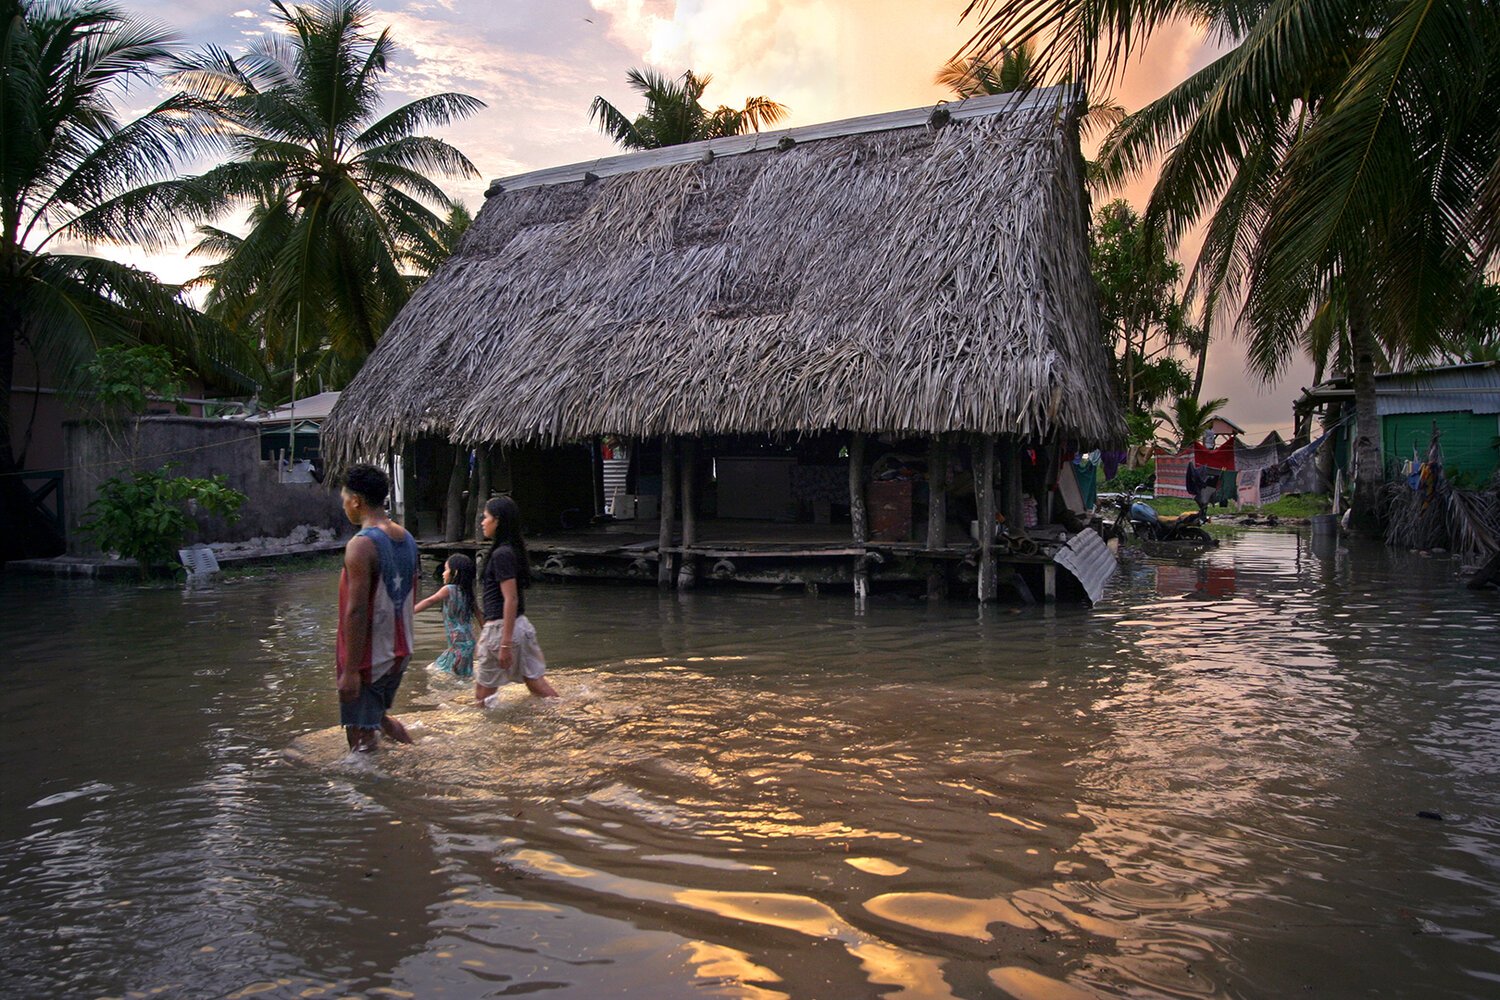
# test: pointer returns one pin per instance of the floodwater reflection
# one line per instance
(1209, 785)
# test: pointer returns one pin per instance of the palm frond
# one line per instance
(433, 110)
(212, 74)
(1091, 40)
(87, 302)
(1358, 165)
(613, 123)
(150, 147)
(1225, 256)
(1144, 137)
(422, 153)
(761, 111)
(383, 177)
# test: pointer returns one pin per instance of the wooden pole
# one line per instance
(668, 511)
(937, 512)
(453, 510)
(502, 476)
(857, 518)
(687, 567)
(984, 495)
(596, 470)
(1054, 469)
(1012, 502)
(481, 492)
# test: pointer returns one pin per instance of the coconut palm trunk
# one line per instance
(22, 530)
(1369, 472)
(1202, 365)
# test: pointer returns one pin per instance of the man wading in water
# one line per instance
(376, 597)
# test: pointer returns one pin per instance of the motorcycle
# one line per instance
(1149, 526)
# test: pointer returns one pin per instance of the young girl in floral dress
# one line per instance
(460, 613)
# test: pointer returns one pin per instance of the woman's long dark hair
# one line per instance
(463, 578)
(508, 532)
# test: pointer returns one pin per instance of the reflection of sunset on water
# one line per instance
(1194, 578)
(912, 975)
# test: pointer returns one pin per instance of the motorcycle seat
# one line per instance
(1173, 520)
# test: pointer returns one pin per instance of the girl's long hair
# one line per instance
(508, 532)
(463, 580)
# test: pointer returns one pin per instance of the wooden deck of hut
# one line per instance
(917, 280)
(810, 556)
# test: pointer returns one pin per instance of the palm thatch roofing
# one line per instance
(914, 272)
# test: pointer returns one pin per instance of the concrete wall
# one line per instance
(38, 406)
(196, 447)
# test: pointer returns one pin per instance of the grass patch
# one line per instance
(1292, 505)
(1298, 505)
(1172, 506)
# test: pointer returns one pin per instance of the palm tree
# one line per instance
(1189, 419)
(1015, 69)
(339, 193)
(71, 171)
(674, 115)
(442, 244)
(980, 75)
(1343, 156)
(1478, 338)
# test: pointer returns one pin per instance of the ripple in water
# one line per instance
(1207, 786)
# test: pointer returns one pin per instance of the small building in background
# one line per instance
(1462, 401)
(302, 419)
(1220, 431)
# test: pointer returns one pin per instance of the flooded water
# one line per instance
(1209, 785)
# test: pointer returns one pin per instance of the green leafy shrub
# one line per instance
(1126, 480)
(130, 378)
(1140, 428)
(145, 515)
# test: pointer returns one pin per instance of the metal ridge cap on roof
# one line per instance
(1437, 369)
(624, 163)
(1344, 383)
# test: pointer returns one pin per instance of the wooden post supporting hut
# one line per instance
(858, 519)
(984, 493)
(687, 563)
(668, 511)
(937, 514)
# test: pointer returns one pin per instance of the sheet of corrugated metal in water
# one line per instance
(1090, 561)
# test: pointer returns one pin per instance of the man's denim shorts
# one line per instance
(366, 711)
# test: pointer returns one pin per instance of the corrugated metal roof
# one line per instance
(314, 408)
(1474, 388)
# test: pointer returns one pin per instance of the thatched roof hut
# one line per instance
(913, 272)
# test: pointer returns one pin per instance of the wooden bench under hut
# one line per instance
(832, 352)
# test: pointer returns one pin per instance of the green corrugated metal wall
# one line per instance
(1468, 440)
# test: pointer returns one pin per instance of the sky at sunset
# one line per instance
(538, 63)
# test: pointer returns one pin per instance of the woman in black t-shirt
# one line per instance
(507, 651)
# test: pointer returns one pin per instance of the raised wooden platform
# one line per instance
(767, 552)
